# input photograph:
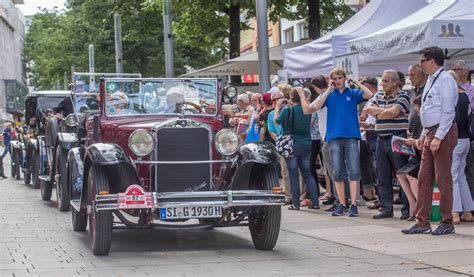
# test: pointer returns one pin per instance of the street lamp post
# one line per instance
(91, 68)
(118, 43)
(263, 57)
(169, 66)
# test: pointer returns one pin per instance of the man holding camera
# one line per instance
(343, 133)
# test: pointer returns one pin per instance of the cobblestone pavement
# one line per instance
(37, 240)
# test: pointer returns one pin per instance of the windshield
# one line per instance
(161, 96)
(85, 82)
(86, 102)
(45, 103)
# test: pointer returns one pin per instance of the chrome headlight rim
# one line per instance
(224, 132)
(230, 91)
(72, 120)
(132, 146)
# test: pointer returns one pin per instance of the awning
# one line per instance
(247, 64)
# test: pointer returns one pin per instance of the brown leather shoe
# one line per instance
(466, 216)
(456, 219)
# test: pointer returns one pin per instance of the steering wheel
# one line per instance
(191, 107)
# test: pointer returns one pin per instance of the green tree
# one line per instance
(58, 39)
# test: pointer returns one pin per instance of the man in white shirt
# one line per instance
(438, 139)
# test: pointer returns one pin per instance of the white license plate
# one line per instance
(190, 212)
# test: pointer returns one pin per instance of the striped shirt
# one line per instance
(401, 99)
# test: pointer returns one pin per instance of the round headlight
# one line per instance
(72, 120)
(227, 142)
(230, 91)
(141, 142)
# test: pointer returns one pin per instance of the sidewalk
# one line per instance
(450, 252)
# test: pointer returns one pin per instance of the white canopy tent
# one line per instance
(246, 64)
(317, 57)
(396, 46)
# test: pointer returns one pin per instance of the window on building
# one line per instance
(303, 30)
(289, 36)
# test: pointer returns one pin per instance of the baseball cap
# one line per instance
(371, 80)
(267, 98)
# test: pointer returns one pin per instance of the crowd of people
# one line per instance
(355, 139)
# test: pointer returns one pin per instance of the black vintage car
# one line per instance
(156, 156)
(39, 106)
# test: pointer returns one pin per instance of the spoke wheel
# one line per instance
(100, 222)
(264, 221)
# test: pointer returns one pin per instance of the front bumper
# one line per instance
(135, 199)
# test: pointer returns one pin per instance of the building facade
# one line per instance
(12, 69)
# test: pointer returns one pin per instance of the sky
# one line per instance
(31, 6)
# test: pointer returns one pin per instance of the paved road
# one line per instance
(37, 240)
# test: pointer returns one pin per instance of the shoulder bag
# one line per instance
(284, 143)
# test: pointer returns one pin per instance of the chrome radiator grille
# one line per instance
(183, 144)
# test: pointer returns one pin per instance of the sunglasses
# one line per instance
(424, 60)
(276, 99)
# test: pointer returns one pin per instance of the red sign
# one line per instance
(134, 198)
(249, 78)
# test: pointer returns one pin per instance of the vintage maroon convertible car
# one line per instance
(156, 152)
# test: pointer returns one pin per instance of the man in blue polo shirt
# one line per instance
(342, 133)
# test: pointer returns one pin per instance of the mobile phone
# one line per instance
(284, 102)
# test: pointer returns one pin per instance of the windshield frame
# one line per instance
(142, 81)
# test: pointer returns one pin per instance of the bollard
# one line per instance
(435, 213)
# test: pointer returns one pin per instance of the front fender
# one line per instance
(75, 170)
(106, 154)
(257, 152)
(249, 156)
(67, 140)
(118, 167)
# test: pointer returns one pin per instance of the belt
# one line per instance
(432, 128)
(389, 136)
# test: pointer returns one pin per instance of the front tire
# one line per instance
(100, 222)
(264, 221)
(62, 192)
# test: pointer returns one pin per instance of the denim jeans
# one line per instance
(345, 158)
(462, 200)
(301, 160)
(388, 163)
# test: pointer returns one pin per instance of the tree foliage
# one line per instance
(57, 40)
(204, 32)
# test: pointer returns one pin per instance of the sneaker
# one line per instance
(353, 212)
(443, 229)
(314, 207)
(340, 210)
(415, 229)
(331, 209)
